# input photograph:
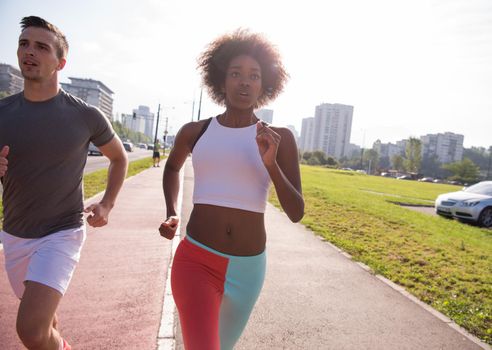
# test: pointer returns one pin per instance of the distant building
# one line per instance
(294, 132)
(11, 80)
(141, 120)
(93, 92)
(306, 141)
(448, 147)
(402, 146)
(353, 151)
(265, 114)
(386, 149)
(330, 131)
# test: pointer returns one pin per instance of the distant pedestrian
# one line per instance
(219, 268)
(44, 138)
(156, 156)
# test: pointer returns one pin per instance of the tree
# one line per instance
(413, 155)
(313, 161)
(477, 155)
(306, 155)
(370, 158)
(432, 167)
(330, 161)
(398, 162)
(465, 171)
(127, 134)
(384, 163)
(321, 156)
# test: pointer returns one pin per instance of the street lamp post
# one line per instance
(165, 138)
(157, 126)
(490, 162)
(200, 104)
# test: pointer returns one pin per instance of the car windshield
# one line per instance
(481, 188)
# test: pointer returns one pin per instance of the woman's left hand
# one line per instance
(268, 142)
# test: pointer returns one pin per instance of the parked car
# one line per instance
(142, 145)
(128, 146)
(150, 146)
(384, 174)
(426, 179)
(404, 177)
(93, 150)
(473, 204)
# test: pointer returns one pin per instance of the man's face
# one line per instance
(37, 54)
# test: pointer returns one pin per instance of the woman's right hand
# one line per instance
(168, 228)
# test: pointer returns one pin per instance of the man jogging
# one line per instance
(44, 137)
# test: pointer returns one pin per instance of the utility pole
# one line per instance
(490, 162)
(157, 126)
(165, 137)
(193, 109)
(200, 104)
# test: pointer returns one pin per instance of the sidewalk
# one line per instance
(115, 298)
(314, 297)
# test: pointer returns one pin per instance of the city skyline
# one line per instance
(408, 69)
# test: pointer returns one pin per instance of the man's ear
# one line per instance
(61, 64)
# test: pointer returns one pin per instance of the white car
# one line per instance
(472, 204)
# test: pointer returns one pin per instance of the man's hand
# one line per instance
(99, 214)
(3, 160)
(168, 228)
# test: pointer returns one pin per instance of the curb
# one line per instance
(166, 338)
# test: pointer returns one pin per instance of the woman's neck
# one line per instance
(238, 118)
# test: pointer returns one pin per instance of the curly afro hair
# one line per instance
(215, 60)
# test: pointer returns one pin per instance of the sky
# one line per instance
(409, 68)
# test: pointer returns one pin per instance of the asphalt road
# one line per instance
(99, 162)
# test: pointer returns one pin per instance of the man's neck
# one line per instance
(36, 91)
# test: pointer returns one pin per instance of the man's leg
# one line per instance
(36, 317)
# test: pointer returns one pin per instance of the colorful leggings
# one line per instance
(214, 293)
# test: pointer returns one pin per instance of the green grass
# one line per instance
(95, 182)
(445, 263)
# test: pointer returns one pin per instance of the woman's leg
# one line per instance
(244, 280)
(197, 281)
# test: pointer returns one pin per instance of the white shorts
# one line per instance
(49, 260)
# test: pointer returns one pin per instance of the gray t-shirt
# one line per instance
(42, 189)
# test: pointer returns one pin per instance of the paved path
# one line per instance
(314, 297)
(115, 298)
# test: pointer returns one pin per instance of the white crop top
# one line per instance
(228, 169)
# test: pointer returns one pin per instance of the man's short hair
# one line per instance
(61, 44)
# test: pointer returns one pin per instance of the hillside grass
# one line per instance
(444, 263)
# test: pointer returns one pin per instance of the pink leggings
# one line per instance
(214, 293)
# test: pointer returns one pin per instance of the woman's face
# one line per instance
(242, 85)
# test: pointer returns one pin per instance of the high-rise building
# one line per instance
(93, 92)
(330, 131)
(11, 80)
(265, 114)
(386, 149)
(306, 142)
(294, 132)
(448, 147)
(141, 120)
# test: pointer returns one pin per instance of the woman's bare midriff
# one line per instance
(228, 230)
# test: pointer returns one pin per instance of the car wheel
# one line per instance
(485, 218)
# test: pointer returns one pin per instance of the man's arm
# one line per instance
(4, 152)
(118, 166)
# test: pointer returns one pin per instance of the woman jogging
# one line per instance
(219, 267)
